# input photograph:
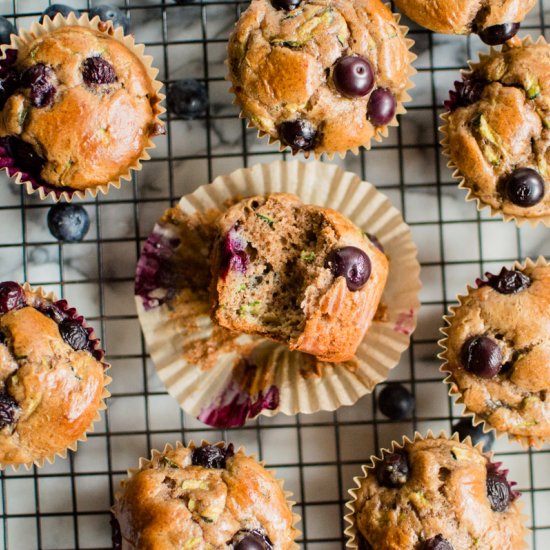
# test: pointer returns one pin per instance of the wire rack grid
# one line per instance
(66, 505)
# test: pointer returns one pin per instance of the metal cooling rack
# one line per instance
(65, 505)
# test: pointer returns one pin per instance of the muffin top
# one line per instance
(499, 130)
(319, 75)
(51, 376)
(498, 351)
(207, 497)
(437, 494)
(78, 110)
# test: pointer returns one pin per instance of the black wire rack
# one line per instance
(66, 505)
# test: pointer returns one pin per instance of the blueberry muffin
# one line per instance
(204, 497)
(496, 21)
(435, 494)
(52, 376)
(498, 131)
(498, 351)
(78, 109)
(320, 75)
(301, 275)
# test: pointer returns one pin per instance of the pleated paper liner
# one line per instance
(34, 184)
(39, 296)
(380, 132)
(225, 378)
(145, 463)
(471, 196)
(454, 390)
(351, 531)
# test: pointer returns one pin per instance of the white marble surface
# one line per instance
(73, 496)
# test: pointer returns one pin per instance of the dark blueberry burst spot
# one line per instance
(481, 355)
(96, 70)
(466, 92)
(9, 410)
(12, 296)
(509, 281)
(74, 334)
(353, 264)
(211, 456)
(393, 470)
(39, 78)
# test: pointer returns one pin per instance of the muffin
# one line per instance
(497, 351)
(495, 21)
(52, 380)
(204, 497)
(79, 107)
(321, 76)
(497, 131)
(301, 275)
(434, 494)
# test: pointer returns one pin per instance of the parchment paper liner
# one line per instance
(48, 25)
(351, 529)
(471, 196)
(454, 390)
(99, 353)
(144, 462)
(381, 132)
(198, 391)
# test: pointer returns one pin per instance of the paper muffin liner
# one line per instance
(381, 132)
(454, 391)
(351, 531)
(40, 295)
(33, 184)
(516, 42)
(254, 376)
(145, 462)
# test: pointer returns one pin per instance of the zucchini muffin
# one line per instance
(435, 494)
(320, 75)
(498, 351)
(52, 376)
(498, 131)
(204, 497)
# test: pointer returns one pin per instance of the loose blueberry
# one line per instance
(12, 296)
(393, 471)
(210, 456)
(6, 30)
(9, 410)
(353, 264)
(396, 402)
(298, 134)
(68, 222)
(381, 107)
(233, 253)
(482, 356)
(499, 491)
(251, 540)
(509, 281)
(187, 98)
(286, 5)
(498, 34)
(465, 428)
(524, 187)
(54, 9)
(466, 92)
(96, 70)
(437, 543)
(110, 13)
(74, 334)
(39, 79)
(353, 76)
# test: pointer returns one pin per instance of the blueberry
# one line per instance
(74, 334)
(54, 9)
(12, 296)
(9, 82)
(251, 540)
(6, 30)
(465, 428)
(396, 402)
(286, 5)
(524, 187)
(353, 264)
(26, 157)
(110, 13)
(68, 222)
(509, 281)
(499, 491)
(498, 34)
(39, 79)
(393, 471)
(299, 135)
(233, 253)
(482, 356)
(96, 70)
(437, 543)
(466, 92)
(210, 456)
(381, 107)
(187, 98)
(9, 410)
(353, 76)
